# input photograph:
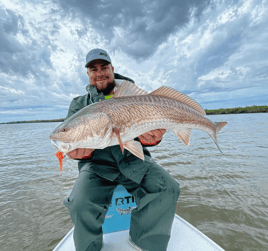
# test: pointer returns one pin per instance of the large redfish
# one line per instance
(130, 113)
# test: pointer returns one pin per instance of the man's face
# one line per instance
(100, 74)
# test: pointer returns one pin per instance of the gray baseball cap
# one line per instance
(97, 54)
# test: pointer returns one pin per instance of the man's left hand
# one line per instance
(152, 136)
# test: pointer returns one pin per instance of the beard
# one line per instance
(108, 89)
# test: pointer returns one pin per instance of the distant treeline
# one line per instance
(248, 109)
(35, 121)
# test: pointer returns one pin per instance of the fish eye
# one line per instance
(64, 130)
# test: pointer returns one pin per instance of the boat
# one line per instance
(184, 236)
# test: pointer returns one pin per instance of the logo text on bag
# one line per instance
(128, 199)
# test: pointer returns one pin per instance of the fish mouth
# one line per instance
(63, 147)
(56, 143)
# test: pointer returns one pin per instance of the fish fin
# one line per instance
(220, 125)
(135, 148)
(174, 94)
(116, 131)
(185, 136)
(128, 89)
(60, 157)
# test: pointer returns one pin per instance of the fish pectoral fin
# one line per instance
(117, 133)
(135, 148)
(184, 136)
(127, 88)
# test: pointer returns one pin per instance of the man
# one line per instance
(101, 170)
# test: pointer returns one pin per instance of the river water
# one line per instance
(223, 195)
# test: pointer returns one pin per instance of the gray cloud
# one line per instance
(8, 29)
(144, 25)
(20, 58)
(11, 24)
(227, 42)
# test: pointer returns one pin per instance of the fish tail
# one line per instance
(60, 157)
(219, 126)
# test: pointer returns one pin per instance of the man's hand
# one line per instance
(152, 136)
(80, 153)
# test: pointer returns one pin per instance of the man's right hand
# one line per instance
(80, 153)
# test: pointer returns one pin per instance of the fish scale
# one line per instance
(145, 108)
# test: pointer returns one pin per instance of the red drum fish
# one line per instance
(130, 113)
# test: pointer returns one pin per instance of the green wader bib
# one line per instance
(155, 191)
(156, 197)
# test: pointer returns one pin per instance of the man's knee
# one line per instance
(176, 189)
(74, 204)
(159, 180)
(173, 188)
(77, 202)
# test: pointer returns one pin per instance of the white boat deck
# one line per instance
(184, 237)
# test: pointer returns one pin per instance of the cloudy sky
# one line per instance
(214, 51)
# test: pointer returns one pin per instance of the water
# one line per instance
(223, 195)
